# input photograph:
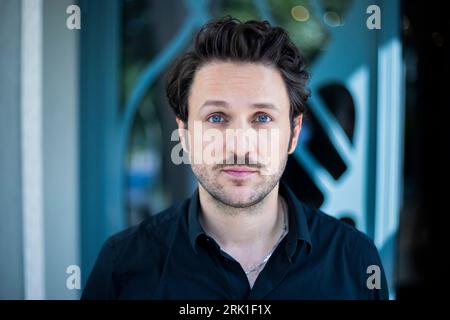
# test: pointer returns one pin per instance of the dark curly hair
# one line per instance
(228, 39)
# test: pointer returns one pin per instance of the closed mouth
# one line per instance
(239, 171)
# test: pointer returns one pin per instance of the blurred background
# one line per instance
(85, 127)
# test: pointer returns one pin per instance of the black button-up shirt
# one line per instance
(168, 256)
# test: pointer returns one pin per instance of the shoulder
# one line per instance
(155, 231)
(325, 228)
(346, 249)
(135, 250)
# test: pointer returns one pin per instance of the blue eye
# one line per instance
(263, 118)
(215, 118)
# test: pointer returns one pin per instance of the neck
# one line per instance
(237, 227)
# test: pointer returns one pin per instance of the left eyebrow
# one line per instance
(264, 105)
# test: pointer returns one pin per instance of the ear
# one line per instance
(296, 132)
(182, 131)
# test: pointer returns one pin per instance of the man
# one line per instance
(242, 234)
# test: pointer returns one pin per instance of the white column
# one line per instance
(32, 150)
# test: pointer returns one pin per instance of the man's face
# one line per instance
(239, 131)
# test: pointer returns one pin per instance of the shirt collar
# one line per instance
(298, 226)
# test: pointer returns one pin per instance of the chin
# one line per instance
(239, 191)
(240, 197)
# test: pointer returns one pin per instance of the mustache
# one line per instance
(241, 161)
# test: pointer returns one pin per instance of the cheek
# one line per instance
(272, 150)
(274, 139)
(207, 145)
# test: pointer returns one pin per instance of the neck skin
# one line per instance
(238, 230)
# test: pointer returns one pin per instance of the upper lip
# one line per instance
(239, 169)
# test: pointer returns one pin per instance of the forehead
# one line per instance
(238, 82)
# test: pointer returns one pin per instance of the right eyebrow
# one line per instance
(214, 103)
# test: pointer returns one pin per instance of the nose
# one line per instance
(241, 142)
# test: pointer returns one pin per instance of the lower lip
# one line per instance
(239, 174)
